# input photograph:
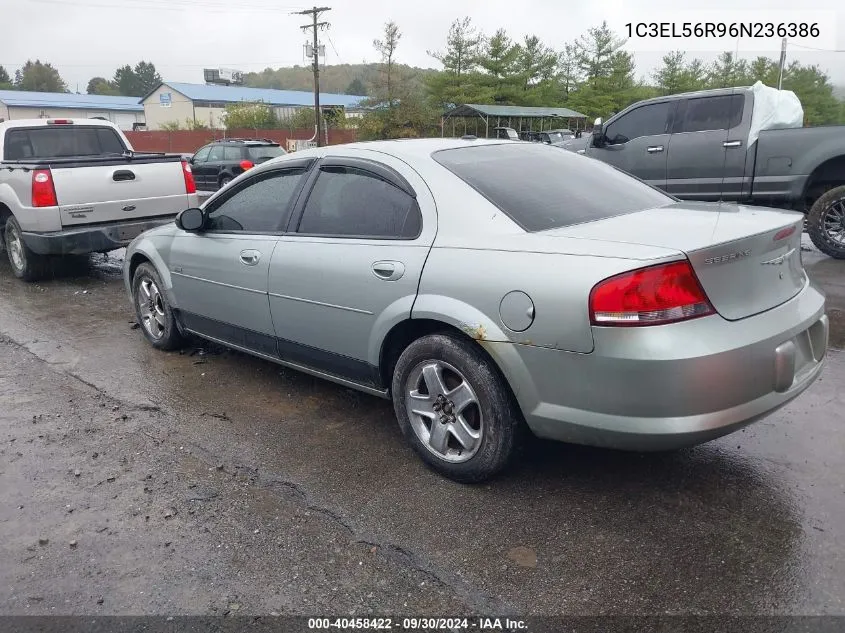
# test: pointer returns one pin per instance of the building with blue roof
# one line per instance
(176, 102)
(126, 112)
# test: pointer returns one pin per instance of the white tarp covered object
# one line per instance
(773, 110)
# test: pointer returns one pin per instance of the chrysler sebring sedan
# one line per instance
(494, 288)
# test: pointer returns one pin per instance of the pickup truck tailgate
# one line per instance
(119, 192)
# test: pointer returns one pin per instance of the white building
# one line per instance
(175, 102)
(126, 112)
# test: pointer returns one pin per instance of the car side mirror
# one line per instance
(191, 220)
(598, 133)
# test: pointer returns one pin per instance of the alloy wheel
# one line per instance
(444, 411)
(14, 244)
(833, 222)
(151, 308)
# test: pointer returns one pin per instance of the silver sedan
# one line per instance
(493, 288)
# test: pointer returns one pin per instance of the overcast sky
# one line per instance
(86, 38)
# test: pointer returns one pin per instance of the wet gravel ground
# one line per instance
(209, 482)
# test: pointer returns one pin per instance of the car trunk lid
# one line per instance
(748, 259)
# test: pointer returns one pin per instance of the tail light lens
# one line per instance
(43, 191)
(246, 164)
(190, 185)
(656, 295)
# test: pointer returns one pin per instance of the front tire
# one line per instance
(826, 223)
(225, 180)
(26, 264)
(455, 409)
(153, 311)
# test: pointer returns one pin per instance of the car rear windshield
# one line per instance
(541, 187)
(258, 153)
(61, 142)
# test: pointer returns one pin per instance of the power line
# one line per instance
(329, 37)
(154, 5)
(813, 48)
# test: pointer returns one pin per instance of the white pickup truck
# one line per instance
(76, 186)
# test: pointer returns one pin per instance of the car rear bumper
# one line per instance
(91, 239)
(666, 387)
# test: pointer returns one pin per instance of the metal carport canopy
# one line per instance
(484, 112)
(473, 109)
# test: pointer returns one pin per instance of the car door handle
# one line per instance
(123, 174)
(250, 257)
(654, 149)
(389, 271)
(732, 144)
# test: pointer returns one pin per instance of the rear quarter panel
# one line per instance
(786, 158)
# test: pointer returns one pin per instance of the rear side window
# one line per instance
(711, 113)
(352, 202)
(61, 142)
(647, 120)
(541, 187)
(232, 153)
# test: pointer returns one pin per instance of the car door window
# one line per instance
(259, 206)
(712, 113)
(352, 202)
(216, 154)
(202, 155)
(647, 120)
(232, 154)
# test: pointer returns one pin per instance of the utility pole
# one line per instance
(782, 62)
(315, 26)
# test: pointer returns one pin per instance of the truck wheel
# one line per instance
(455, 409)
(25, 264)
(826, 223)
(152, 309)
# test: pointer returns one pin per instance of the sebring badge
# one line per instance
(728, 257)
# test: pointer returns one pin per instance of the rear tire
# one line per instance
(26, 264)
(225, 180)
(455, 408)
(826, 223)
(154, 313)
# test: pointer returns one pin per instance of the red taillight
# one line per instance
(43, 191)
(649, 296)
(190, 185)
(784, 233)
(245, 164)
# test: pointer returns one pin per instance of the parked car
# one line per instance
(215, 165)
(75, 186)
(696, 146)
(505, 133)
(592, 309)
(577, 145)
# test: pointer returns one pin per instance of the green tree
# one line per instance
(101, 86)
(813, 89)
(147, 77)
(356, 87)
(5, 80)
(462, 48)
(728, 71)
(568, 70)
(250, 115)
(535, 62)
(677, 75)
(170, 126)
(595, 53)
(39, 77)
(499, 63)
(138, 81)
(387, 49)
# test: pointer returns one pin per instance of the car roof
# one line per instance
(246, 141)
(417, 148)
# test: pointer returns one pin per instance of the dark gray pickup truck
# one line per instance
(695, 146)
